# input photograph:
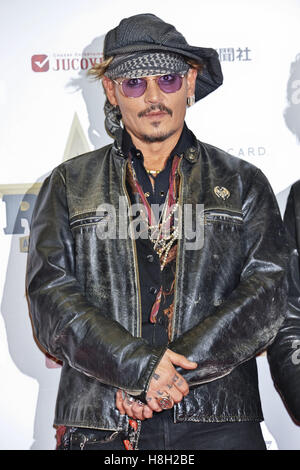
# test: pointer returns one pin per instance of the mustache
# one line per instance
(155, 107)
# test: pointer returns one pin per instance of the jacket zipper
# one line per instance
(178, 250)
(136, 269)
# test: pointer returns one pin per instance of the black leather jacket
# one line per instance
(284, 354)
(84, 297)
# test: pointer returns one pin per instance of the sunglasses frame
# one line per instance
(151, 77)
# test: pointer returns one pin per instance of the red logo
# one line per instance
(40, 63)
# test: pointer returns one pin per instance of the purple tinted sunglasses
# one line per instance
(136, 87)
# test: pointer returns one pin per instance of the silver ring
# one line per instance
(165, 402)
(129, 400)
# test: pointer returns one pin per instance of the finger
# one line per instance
(152, 403)
(180, 384)
(137, 410)
(175, 395)
(119, 402)
(147, 412)
(130, 413)
(180, 360)
(128, 407)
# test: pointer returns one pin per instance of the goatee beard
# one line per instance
(150, 139)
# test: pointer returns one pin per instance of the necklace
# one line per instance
(153, 172)
(163, 232)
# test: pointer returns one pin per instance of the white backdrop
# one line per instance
(50, 112)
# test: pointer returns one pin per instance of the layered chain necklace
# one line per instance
(164, 234)
(163, 231)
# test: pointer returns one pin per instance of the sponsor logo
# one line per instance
(231, 54)
(243, 152)
(40, 63)
(64, 62)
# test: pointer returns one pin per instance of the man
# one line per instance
(157, 333)
(284, 353)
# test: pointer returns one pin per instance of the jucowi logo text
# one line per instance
(58, 62)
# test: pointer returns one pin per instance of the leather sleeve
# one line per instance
(248, 320)
(67, 325)
(284, 353)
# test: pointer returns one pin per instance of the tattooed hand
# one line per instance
(167, 381)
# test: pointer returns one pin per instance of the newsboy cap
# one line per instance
(147, 32)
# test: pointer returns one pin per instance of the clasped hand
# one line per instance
(165, 381)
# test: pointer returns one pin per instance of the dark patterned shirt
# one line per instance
(150, 275)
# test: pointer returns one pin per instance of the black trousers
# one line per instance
(160, 433)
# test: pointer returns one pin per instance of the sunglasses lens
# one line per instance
(170, 83)
(134, 87)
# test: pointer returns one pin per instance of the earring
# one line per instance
(190, 101)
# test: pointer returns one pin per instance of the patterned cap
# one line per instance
(143, 64)
(147, 33)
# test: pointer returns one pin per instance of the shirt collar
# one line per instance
(185, 141)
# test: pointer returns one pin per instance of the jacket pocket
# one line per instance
(88, 219)
(223, 215)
